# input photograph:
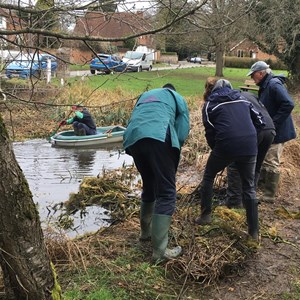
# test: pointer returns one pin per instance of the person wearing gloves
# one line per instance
(230, 123)
(275, 97)
(156, 131)
(83, 123)
(265, 138)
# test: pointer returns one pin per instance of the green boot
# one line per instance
(270, 187)
(145, 220)
(159, 237)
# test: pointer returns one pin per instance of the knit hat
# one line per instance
(258, 66)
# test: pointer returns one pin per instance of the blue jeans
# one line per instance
(78, 125)
(216, 163)
(157, 163)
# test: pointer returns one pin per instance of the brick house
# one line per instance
(247, 48)
(110, 26)
(9, 21)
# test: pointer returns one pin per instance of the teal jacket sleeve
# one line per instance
(182, 120)
(78, 114)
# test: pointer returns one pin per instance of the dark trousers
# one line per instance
(78, 125)
(157, 163)
(216, 163)
(234, 188)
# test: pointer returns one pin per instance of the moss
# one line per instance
(56, 291)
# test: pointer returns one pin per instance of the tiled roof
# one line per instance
(111, 25)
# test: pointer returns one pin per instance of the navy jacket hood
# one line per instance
(223, 95)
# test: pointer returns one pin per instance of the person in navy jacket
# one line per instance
(231, 124)
(275, 97)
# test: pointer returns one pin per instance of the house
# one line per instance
(110, 26)
(247, 48)
(9, 21)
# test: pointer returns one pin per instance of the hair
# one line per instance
(209, 85)
(169, 86)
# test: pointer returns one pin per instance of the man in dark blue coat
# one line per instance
(275, 97)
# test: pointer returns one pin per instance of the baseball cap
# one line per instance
(258, 66)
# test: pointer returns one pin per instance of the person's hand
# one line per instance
(64, 122)
(74, 108)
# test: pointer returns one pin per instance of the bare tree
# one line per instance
(276, 30)
(222, 21)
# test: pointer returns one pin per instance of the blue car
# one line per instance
(106, 63)
(30, 65)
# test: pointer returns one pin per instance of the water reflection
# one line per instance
(53, 173)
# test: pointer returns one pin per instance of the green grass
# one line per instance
(188, 82)
(125, 278)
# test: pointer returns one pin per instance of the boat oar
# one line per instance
(54, 132)
(59, 125)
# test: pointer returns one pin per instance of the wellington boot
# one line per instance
(270, 187)
(204, 219)
(261, 179)
(251, 206)
(145, 220)
(76, 131)
(159, 238)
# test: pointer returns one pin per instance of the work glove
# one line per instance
(64, 122)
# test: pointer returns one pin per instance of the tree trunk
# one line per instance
(219, 60)
(23, 256)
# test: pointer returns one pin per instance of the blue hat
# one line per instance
(258, 66)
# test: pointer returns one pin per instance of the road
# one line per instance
(180, 65)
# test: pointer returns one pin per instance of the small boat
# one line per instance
(105, 136)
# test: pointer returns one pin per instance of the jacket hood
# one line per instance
(224, 94)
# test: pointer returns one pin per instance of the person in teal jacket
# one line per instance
(156, 131)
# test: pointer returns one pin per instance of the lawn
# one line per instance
(188, 82)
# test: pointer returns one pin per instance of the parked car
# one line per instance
(107, 63)
(196, 60)
(138, 61)
(32, 64)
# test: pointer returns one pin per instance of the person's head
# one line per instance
(258, 71)
(221, 83)
(78, 107)
(169, 86)
(209, 85)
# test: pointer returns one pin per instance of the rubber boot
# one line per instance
(76, 131)
(203, 219)
(206, 203)
(81, 132)
(261, 180)
(251, 206)
(159, 237)
(270, 187)
(145, 220)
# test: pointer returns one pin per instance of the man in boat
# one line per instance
(82, 122)
(157, 129)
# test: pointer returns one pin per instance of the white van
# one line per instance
(138, 61)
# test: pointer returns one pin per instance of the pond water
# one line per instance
(53, 173)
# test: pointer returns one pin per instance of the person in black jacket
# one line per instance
(230, 123)
(82, 122)
(265, 138)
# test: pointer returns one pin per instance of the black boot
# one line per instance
(206, 206)
(251, 206)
